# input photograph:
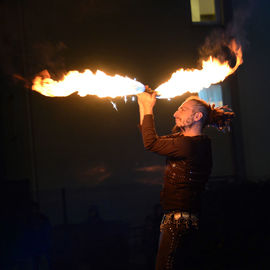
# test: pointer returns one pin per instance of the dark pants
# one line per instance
(176, 239)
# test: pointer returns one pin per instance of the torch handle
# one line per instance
(149, 90)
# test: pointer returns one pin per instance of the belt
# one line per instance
(180, 218)
(181, 214)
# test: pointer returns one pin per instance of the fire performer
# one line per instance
(188, 166)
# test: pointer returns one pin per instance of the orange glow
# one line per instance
(103, 85)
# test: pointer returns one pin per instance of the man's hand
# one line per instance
(147, 101)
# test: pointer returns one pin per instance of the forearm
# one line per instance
(172, 146)
(153, 142)
(143, 112)
(148, 110)
(146, 103)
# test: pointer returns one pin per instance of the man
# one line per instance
(188, 166)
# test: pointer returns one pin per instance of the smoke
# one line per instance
(42, 56)
(218, 43)
(49, 56)
(218, 46)
(238, 27)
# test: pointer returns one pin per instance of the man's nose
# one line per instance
(175, 114)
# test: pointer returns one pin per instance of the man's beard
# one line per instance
(188, 123)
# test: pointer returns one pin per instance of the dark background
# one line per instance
(77, 157)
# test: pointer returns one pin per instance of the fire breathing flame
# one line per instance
(103, 85)
(194, 80)
(87, 83)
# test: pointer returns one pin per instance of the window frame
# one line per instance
(218, 12)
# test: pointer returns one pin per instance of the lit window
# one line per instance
(212, 95)
(205, 11)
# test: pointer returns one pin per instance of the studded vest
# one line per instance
(188, 166)
(184, 184)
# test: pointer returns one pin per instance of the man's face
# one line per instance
(184, 116)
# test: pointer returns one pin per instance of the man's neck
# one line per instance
(193, 131)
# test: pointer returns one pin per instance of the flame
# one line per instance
(87, 83)
(194, 80)
(103, 85)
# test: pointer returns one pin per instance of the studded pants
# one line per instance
(174, 231)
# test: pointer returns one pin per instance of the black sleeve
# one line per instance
(178, 146)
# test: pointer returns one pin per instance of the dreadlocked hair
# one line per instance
(219, 117)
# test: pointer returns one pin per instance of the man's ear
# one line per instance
(198, 116)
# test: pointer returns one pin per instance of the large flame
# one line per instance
(194, 80)
(87, 83)
(103, 85)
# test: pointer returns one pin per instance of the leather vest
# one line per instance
(183, 185)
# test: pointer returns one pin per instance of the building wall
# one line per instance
(253, 81)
